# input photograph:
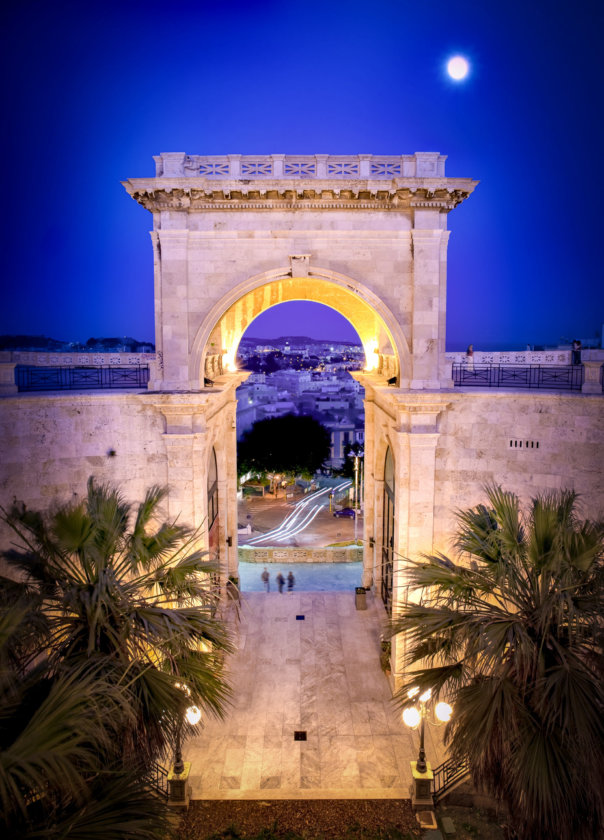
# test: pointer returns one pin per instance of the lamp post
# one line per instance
(414, 716)
(357, 456)
(179, 774)
(193, 715)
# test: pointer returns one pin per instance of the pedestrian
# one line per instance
(266, 579)
(280, 581)
(470, 356)
(290, 582)
(576, 351)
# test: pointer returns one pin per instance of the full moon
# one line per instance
(458, 68)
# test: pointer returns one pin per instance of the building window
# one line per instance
(388, 532)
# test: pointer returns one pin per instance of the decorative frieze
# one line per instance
(419, 165)
(280, 196)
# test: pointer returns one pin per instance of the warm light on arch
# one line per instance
(370, 328)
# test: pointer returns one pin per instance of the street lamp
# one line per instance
(179, 775)
(414, 716)
(357, 456)
(193, 716)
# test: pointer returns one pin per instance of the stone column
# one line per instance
(591, 382)
(429, 299)
(369, 492)
(7, 374)
(230, 443)
(171, 300)
(417, 438)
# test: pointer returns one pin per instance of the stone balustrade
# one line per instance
(288, 554)
(9, 359)
(39, 359)
(513, 357)
(350, 167)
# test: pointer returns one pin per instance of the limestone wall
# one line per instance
(526, 442)
(52, 443)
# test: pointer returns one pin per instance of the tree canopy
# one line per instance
(513, 639)
(292, 444)
(107, 633)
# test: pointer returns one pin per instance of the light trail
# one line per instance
(299, 518)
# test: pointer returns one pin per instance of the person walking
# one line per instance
(280, 582)
(290, 582)
(266, 579)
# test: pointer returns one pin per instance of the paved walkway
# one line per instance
(320, 675)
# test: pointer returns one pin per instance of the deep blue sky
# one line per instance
(93, 90)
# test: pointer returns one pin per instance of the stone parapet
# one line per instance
(512, 357)
(345, 554)
(37, 359)
(379, 167)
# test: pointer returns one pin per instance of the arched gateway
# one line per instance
(235, 235)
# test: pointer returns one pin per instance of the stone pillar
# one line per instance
(429, 305)
(591, 382)
(171, 300)
(157, 371)
(417, 439)
(7, 374)
(230, 445)
(369, 493)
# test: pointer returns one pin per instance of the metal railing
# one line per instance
(447, 775)
(557, 377)
(157, 779)
(30, 378)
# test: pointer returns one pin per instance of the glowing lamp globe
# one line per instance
(411, 717)
(193, 714)
(458, 68)
(443, 712)
(425, 696)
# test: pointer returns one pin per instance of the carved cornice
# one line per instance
(204, 195)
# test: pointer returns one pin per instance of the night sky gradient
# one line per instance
(93, 90)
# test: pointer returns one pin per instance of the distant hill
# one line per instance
(296, 340)
(31, 342)
(52, 345)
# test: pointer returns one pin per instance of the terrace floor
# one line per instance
(320, 675)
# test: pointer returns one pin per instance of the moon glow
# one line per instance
(458, 68)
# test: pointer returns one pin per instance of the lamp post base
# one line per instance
(421, 790)
(178, 787)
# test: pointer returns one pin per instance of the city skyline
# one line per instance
(87, 112)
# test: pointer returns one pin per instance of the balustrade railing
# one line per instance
(554, 377)
(80, 378)
(447, 775)
(373, 167)
(157, 779)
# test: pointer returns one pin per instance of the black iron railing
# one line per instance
(157, 779)
(447, 775)
(29, 378)
(558, 377)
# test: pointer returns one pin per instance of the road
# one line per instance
(305, 522)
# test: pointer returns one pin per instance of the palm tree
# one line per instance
(513, 638)
(58, 774)
(111, 593)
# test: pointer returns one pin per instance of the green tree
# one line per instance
(514, 639)
(59, 774)
(292, 445)
(107, 590)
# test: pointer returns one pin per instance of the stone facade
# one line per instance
(233, 236)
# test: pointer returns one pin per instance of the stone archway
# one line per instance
(366, 235)
(215, 345)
